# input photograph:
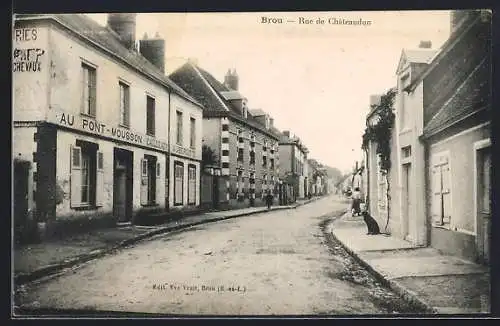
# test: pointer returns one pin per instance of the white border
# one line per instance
(484, 143)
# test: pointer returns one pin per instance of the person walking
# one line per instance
(269, 199)
(356, 202)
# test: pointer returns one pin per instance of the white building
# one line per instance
(92, 119)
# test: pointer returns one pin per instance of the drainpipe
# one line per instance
(167, 188)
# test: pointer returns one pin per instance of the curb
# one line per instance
(403, 292)
(23, 278)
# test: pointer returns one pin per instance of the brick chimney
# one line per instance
(231, 80)
(154, 50)
(271, 122)
(123, 24)
(425, 45)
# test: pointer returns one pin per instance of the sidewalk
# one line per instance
(439, 283)
(38, 260)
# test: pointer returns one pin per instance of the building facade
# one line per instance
(244, 141)
(91, 121)
(293, 155)
(440, 176)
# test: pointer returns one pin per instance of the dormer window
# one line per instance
(245, 112)
(267, 122)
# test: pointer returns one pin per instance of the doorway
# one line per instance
(21, 188)
(407, 200)
(482, 202)
(122, 185)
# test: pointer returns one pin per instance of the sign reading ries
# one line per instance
(98, 128)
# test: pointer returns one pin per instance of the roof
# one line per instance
(461, 30)
(473, 95)
(232, 95)
(257, 112)
(209, 91)
(108, 40)
(415, 56)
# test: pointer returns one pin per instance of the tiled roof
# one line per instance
(472, 95)
(257, 112)
(232, 95)
(107, 39)
(419, 55)
(207, 89)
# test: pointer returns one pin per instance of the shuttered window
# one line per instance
(124, 104)
(88, 89)
(192, 184)
(150, 171)
(441, 191)
(179, 183)
(86, 177)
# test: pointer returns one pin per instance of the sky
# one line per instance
(315, 79)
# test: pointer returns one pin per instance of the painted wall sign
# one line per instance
(90, 125)
(27, 60)
(179, 150)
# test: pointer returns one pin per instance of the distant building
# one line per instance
(293, 155)
(245, 142)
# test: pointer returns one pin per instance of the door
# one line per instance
(483, 213)
(21, 175)
(407, 186)
(120, 191)
(215, 191)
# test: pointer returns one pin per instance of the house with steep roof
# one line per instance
(293, 157)
(91, 114)
(440, 176)
(244, 141)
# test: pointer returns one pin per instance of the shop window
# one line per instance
(150, 173)
(87, 175)
(179, 183)
(191, 184)
(88, 90)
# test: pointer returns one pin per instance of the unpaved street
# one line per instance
(274, 263)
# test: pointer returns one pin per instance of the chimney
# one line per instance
(425, 45)
(231, 80)
(286, 133)
(124, 24)
(271, 122)
(154, 50)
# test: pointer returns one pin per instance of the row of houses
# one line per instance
(440, 146)
(102, 136)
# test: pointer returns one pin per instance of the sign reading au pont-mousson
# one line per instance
(92, 126)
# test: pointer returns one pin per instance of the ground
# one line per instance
(282, 263)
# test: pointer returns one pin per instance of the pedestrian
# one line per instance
(356, 202)
(269, 199)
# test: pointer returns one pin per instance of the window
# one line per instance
(441, 191)
(87, 175)
(88, 90)
(191, 184)
(252, 158)
(150, 118)
(150, 172)
(240, 155)
(240, 181)
(192, 139)
(406, 152)
(179, 183)
(264, 161)
(179, 127)
(272, 163)
(124, 104)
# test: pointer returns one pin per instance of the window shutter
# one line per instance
(127, 106)
(100, 179)
(158, 170)
(92, 91)
(436, 195)
(76, 176)
(144, 182)
(158, 188)
(446, 191)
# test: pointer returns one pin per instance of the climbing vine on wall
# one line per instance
(380, 132)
